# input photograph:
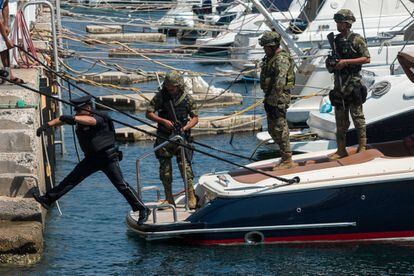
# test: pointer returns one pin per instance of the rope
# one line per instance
(21, 35)
(290, 181)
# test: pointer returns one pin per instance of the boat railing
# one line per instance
(140, 188)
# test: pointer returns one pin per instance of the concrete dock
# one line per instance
(213, 125)
(135, 102)
(125, 53)
(103, 29)
(115, 77)
(129, 37)
(21, 172)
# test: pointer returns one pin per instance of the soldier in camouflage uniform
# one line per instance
(276, 79)
(185, 109)
(349, 93)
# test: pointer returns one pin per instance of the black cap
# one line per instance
(81, 101)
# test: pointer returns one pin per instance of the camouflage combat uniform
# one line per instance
(276, 79)
(185, 108)
(348, 79)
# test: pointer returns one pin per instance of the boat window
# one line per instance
(272, 5)
(380, 88)
(226, 19)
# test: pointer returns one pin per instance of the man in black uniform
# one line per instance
(96, 137)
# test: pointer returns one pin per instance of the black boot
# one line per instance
(143, 215)
(43, 200)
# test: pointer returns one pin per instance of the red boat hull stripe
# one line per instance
(316, 238)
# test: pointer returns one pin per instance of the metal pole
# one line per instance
(139, 189)
(58, 22)
(56, 60)
(271, 22)
(184, 176)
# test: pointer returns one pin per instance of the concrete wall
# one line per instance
(21, 172)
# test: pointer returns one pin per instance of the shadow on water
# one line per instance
(321, 259)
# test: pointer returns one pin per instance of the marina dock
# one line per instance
(129, 37)
(21, 172)
(119, 78)
(26, 161)
(213, 125)
(139, 102)
(103, 29)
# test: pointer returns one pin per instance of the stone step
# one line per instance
(19, 209)
(19, 162)
(18, 118)
(12, 162)
(10, 93)
(16, 141)
(18, 184)
(21, 242)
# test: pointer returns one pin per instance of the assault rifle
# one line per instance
(177, 125)
(331, 62)
(333, 58)
(178, 129)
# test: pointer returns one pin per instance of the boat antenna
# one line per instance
(362, 20)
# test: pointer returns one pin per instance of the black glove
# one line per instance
(41, 129)
(69, 119)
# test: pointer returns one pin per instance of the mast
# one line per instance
(274, 24)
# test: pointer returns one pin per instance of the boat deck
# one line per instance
(395, 149)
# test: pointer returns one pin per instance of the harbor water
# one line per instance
(91, 237)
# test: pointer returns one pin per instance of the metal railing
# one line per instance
(55, 59)
(176, 138)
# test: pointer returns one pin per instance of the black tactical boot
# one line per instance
(143, 216)
(43, 200)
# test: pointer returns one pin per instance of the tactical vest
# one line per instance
(181, 110)
(267, 78)
(345, 50)
(93, 139)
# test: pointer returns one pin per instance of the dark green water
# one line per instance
(91, 237)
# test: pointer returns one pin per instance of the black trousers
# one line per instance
(90, 165)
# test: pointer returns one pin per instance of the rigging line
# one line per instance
(289, 181)
(411, 13)
(73, 127)
(379, 18)
(145, 24)
(115, 109)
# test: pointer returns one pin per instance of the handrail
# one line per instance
(55, 58)
(148, 153)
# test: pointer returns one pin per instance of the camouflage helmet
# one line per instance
(269, 39)
(344, 15)
(174, 78)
